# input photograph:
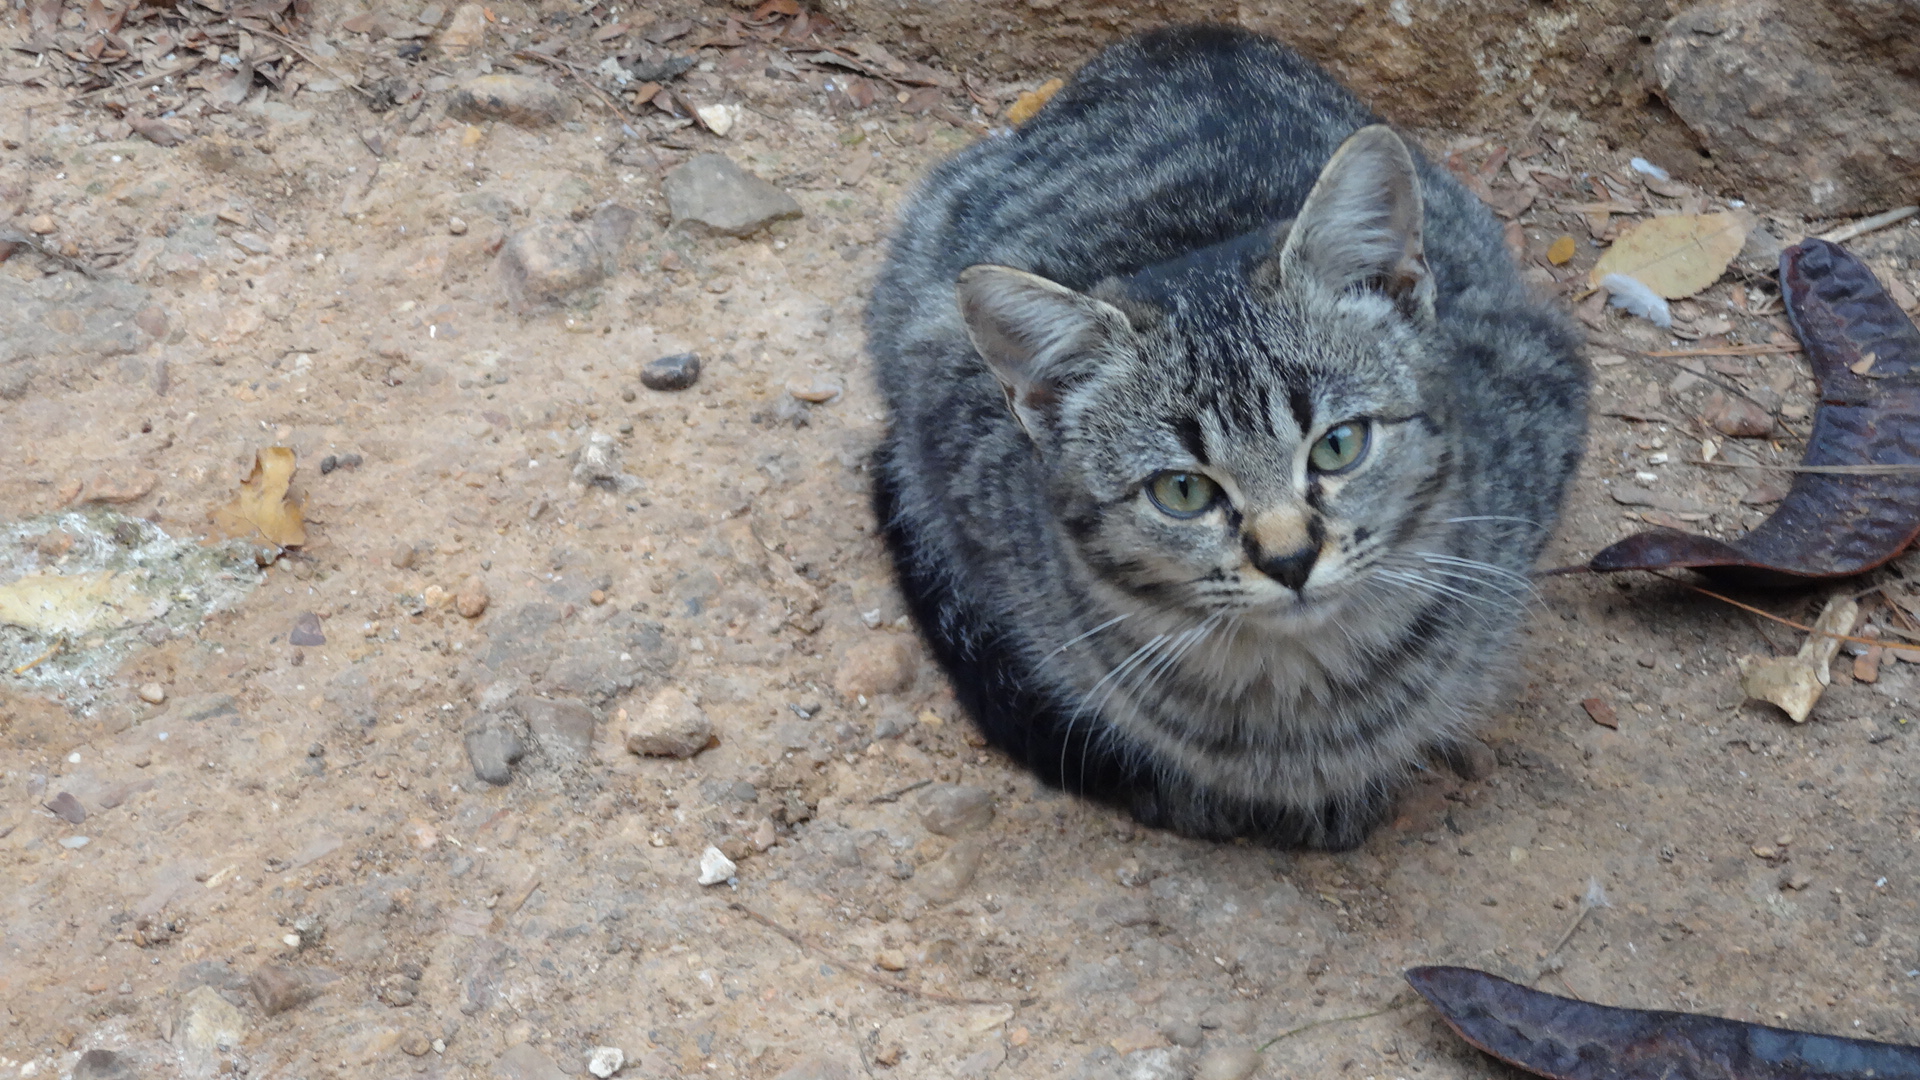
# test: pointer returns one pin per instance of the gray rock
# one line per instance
(676, 372)
(547, 262)
(561, 727)
(1812, 105)
(670, 726)
(712, 193)
(953, 809)
(102, 1065)
(599, 466)
(67, 808)
(66, 316)
(517, 99)
(206, 1026)
(948, 876)
(493, 745)
(525, 1062)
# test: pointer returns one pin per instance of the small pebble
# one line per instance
(715, 867)
(604, 1061)
(492, 747)
(41, 224)
(946, 877)
(1227, 1063)
(153, 693)
(472, 599)
(670, 726)
(67, 808)
(75, 843)
(415, 1044)
(457, 226)
(763, 835)
(953, 809)
(817, 389)
(549, 261)
(597, 597)
(890, 960)
(676, 372)
(403, 557)
(278, 988)
(306, 632)
(873, 667)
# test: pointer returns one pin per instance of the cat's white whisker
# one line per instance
(1475, 564)
(1495, 517)
(1078, 638)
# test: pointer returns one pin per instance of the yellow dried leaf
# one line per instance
(1561, 251)
(1027, 104)
(1795, 682)
(263, 507)
(1678, 255)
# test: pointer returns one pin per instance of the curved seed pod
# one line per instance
(1866, 357)
(1565, 1039)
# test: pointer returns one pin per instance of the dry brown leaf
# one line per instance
(264, 507)
(1677, 255)
(1029, 103)
(1561, 251)
(1794, 682)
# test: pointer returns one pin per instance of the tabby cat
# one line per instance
(1223, 435)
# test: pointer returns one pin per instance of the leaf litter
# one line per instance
(1855, 500)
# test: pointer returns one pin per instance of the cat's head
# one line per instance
(1247, 435)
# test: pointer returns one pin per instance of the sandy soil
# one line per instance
(298, 829)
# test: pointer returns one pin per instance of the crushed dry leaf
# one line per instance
(1795, 682)
(264, 506)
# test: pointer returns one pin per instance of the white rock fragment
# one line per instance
(605, 1061)
(715, 867)
(718, 119)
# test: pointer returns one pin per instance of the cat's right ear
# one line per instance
(1038, 338)
(1363, 223)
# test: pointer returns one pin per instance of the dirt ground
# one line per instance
(290, 868)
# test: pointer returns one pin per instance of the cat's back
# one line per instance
(1165, 143)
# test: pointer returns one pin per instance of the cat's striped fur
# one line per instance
(1272, 665)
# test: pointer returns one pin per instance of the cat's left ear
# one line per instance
(1039, 338)
(1362, 223)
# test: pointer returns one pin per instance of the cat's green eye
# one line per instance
(1182, 494)
(1339, 448)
